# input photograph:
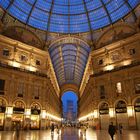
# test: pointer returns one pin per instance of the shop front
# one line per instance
(104, 116)
(18, 114)
(121, 114)
(137, 112)
(35, 116)
(2, 113)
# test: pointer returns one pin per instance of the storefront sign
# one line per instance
(104, 111)
(137, 108)
(18, 110)
(121, 110)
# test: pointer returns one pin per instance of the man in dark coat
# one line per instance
(52, 128)
(111, 130)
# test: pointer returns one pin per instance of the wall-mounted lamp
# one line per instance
(31, 68)
(127, 62)
(14, 64)
(109, 67)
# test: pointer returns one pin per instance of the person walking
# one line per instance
(17, 130)
(111, 130)
(52, 129)
(120, 128)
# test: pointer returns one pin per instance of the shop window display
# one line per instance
(104, 116)
(121, 114)
(18, 114)
(2, 113)
(137, 112)
(35, 116)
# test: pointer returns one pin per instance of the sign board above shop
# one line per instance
(18, 110)
(121, 110)
(104, 111)
(137, 108)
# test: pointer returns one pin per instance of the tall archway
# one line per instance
(70, 108)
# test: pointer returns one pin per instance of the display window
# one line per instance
(35, 122)
(1, 120)
(17, 118)
(35, 116)
(2, 112)
(104, 116)
(121, 114)
(137, 112)
(18, 114)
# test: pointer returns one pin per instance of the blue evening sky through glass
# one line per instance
(69, 16)
(69, 95)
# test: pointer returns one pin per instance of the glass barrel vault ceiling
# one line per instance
(68, 16)
(69, 62)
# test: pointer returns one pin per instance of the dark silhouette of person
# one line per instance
(52, 128)
(120, 128)
(17, 130)
(111, 130)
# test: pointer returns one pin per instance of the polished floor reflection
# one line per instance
(68, 134)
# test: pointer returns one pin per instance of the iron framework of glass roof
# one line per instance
(69, 62)
(68, 16)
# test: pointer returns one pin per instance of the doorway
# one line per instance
(69, 105)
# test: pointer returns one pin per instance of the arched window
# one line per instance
(35, 108)
(121, 107)
(103, 109)
(19, 107)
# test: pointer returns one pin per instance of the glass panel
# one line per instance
(68, 16)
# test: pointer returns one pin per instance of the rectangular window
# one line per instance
(137, 87)
(38, 62)
(21, 89)
(132, 51)
(102, 92)
(6, 52)
(36, 92)
(100, 62)
(119, 87)
(2, 85)
(23, 58)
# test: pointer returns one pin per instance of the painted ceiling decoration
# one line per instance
(68, 16)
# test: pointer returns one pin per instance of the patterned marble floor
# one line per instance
(68, 134)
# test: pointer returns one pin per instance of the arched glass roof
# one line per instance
(68, 16)
(69, 62)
